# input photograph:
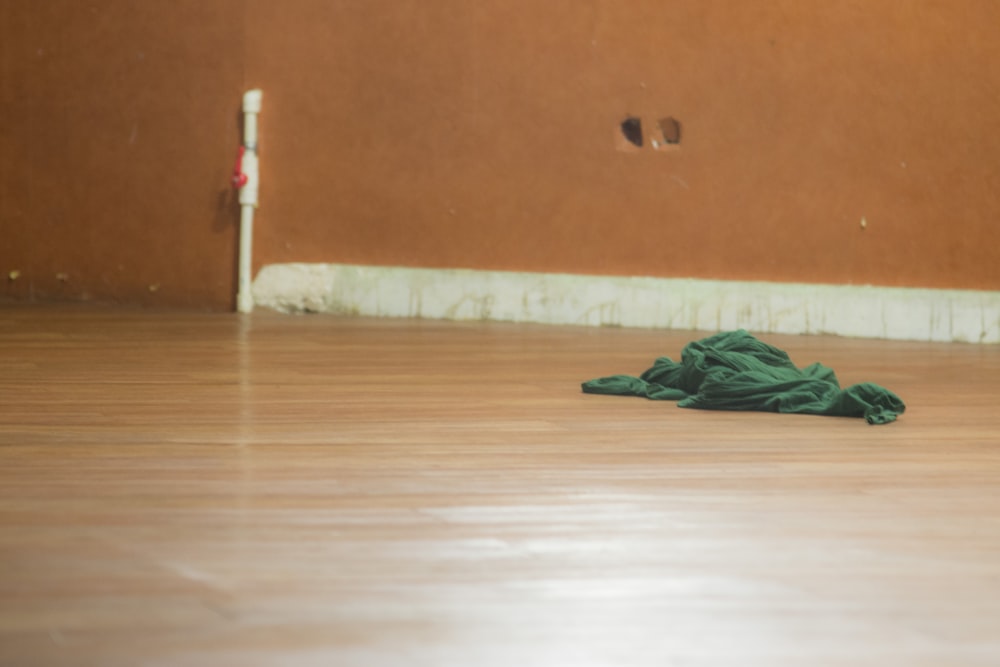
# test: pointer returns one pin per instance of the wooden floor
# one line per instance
(276, 490)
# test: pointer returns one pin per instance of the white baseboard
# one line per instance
(667, 303)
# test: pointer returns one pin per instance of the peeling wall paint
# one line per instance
(459, 294)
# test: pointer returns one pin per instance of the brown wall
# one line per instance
(118, 128)
(484, 134)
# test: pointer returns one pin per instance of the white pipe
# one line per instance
(248, 197)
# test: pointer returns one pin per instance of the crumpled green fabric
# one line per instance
(735, 371)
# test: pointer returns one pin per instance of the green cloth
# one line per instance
(735, 371)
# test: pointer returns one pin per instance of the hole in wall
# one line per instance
(670, 130)
(632, 130)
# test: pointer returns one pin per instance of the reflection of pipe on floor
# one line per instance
(247, 179)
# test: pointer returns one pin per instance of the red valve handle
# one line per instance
(239, 178)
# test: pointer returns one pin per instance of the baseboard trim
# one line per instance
(668, 303)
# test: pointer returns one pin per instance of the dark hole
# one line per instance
(632, 129)
(670, 128)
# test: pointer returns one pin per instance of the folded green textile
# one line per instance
(735, 371)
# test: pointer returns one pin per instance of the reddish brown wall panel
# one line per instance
(483, 134)
(118, 130)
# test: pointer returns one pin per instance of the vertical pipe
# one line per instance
(249, 177)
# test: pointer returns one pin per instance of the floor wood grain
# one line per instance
(181, 489)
